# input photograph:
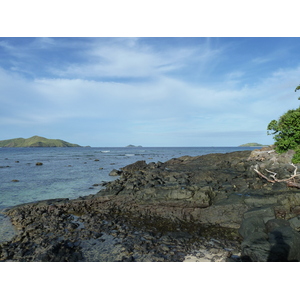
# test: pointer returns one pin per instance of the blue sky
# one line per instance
(147, 91)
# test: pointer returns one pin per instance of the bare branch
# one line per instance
(293, 184)
(295, 171)
(263, 176)
(273, 175)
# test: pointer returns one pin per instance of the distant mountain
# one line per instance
(36, 141)
(253, 145)
(133, 146)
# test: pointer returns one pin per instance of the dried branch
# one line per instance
(273, 175)
(263, 176)
(293, 184)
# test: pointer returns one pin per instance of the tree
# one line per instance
(286, 132)
(297, 88)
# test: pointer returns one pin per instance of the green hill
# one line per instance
(252, 145)
(36, 141)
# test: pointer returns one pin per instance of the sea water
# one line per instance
(73, 172)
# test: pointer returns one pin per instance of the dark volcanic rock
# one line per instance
(115, 172)
(256, 247)
(137, 166)
(285, 244)
(159, 211)
(252, 225)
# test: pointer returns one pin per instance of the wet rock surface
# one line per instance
(59, 230)
(205, 208)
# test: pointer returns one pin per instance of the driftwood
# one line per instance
(289, 181)
(293, 184)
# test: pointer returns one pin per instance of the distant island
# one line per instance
(253, 145)
(133, 146)
(36, 141)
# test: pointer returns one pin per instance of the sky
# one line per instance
(153, 91)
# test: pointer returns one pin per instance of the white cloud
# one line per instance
(261, 60)
(163, 105)
(130, 58)
(162, 109)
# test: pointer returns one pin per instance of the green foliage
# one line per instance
(296, 157)
(297, 88)
(286, 133)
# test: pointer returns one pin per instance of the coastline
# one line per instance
(204, 208)
(73, 172)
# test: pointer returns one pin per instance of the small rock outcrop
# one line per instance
(115, 172)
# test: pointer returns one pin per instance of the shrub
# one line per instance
(296, 157)
(287, 133)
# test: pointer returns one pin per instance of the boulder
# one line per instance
(273, 224)
(115, 172)
(256, 247)
(295, 223)
(252, 225)
(274, 241)
(263, 212)
(285, 244)
(137, 166)
(258, 201)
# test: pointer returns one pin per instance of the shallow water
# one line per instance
(72, 172)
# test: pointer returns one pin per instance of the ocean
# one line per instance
(73, 172)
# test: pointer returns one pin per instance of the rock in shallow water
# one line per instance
(115, 172)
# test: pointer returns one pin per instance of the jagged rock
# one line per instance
(285, 244)
(256, 247)
(252, 225)
(137, 166)
(115, 172)
(271, 225)
(215, 194)
(295, 223)
(263, 212)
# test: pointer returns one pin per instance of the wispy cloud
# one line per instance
(116, 90)
(132, 60)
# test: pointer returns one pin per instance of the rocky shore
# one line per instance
(216, 207)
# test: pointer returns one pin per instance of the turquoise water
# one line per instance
(72, 172)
